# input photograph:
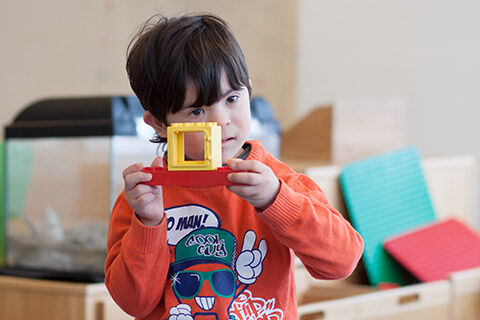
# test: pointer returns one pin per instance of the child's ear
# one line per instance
(156, 124)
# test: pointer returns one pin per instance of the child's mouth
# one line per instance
(226, 142)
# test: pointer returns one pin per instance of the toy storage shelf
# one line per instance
(22, 298)
(419, 302)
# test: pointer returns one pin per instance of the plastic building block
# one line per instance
(434, 251)
(212, 146)
(181, 172)
(164, 177)
(386, 195)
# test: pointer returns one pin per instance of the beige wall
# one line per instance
(65, 47)
(427, 52)
(300, 53)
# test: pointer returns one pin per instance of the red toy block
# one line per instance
(434, 251)
(161, 176)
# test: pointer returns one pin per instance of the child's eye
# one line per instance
(232, 99)
(196, 112)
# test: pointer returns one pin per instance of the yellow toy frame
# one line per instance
(212, 134)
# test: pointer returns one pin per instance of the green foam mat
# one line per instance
(385, 195)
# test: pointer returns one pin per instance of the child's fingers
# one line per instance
(131, 169)
(133, 179)
(141, 189)
(246, 165)
(244, 178)
(144, 198)
(243, 191)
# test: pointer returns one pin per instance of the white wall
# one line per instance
(427, 51)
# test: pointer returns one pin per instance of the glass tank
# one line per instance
(63, 171)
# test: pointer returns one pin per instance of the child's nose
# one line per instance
(221, 117)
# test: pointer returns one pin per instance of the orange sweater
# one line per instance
(215, 257)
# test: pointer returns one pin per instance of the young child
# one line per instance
(215, 252)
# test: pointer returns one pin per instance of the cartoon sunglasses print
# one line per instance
(187, 284)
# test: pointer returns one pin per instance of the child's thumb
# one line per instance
(157, 162)
(232, 162)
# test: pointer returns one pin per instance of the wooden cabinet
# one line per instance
(24, 299)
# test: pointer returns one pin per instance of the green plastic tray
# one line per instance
(386, 195)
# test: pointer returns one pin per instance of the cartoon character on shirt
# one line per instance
(207, 271)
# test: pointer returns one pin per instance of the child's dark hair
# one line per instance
(169, 51)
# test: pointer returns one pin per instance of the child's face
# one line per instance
(231, 112)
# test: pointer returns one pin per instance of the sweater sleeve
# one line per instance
(303, 220)
(137, 261)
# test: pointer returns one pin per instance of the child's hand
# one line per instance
(259, 185)
(145, 200)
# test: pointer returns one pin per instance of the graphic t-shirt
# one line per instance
(214, 256)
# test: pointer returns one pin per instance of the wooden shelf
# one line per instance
(22, 298)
